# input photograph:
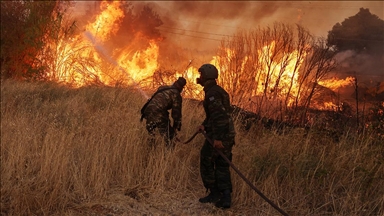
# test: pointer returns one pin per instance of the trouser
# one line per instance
(164, 128)
(214, 169)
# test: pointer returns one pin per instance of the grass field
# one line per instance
(84, 152)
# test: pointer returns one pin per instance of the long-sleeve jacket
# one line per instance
(218, 122)
(166, 98)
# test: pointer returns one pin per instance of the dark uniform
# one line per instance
(156, 111)
(219, 127)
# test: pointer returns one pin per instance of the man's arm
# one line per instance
(218, 116)
(176, 112)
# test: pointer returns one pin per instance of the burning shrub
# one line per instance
(375, 119)
(28, 29)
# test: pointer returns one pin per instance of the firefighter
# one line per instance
(219, 127)
(156, 111)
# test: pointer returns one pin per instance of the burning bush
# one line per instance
(278, 72)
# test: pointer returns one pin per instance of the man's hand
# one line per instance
(218, 144)
(201, 128)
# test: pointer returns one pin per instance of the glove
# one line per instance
(201, 128)
(218, 144)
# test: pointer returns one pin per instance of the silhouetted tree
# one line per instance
(147, 21)
(138, 28)
(362, 32)
(27, 27)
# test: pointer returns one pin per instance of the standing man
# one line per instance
(155, 111)
(218, 125)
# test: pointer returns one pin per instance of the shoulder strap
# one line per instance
(146, 104)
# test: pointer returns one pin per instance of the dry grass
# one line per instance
(84, 152)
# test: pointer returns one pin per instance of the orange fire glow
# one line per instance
(107, 22)
(283, 74)
(335, 83)
(84, 59)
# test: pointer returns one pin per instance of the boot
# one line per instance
(225, 200)
(212, 197)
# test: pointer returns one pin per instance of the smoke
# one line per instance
(201, 25)
(367, 67)
(368, 71)
(222, 10)
(213, 20)
(342, 56)
(226, 17)
(194, 29)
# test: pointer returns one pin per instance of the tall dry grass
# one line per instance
(65, 150)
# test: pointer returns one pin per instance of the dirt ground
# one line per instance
(160, 203)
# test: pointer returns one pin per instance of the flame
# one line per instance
(281, 77)
(335, 83)
(82, 60)
(107, 22)
(134, 66)
(143, 63)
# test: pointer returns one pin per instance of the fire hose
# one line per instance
(237, 171)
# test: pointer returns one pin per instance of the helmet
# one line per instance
(208, 71)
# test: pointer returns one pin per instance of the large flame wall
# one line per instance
(269, 69)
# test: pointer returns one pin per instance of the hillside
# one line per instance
(84, 152)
